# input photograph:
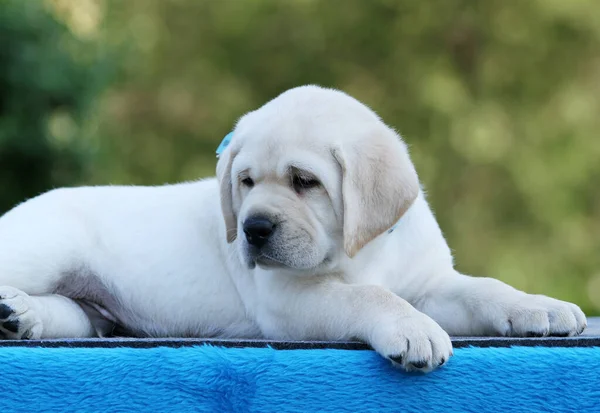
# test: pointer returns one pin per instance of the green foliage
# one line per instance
(47, 80)
(498, 99)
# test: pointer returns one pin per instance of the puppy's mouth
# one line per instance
(255, 256)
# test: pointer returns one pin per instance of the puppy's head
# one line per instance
(309, 176)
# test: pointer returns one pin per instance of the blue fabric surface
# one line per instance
(213, 379)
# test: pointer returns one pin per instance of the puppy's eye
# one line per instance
(303, 183)
(248, 182)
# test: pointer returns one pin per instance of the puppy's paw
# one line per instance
(414, 342)
(540, 316)
(18, 319)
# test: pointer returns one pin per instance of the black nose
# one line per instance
(258, 230)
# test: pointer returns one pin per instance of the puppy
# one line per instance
(315, 228)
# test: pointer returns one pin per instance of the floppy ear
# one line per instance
(379, 184)
(224, 178)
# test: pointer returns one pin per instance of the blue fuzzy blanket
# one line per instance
(215, 379)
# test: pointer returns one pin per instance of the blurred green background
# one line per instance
(498, 99)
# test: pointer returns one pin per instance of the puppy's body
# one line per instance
(155, 257)
(174, 274)
(329, 179)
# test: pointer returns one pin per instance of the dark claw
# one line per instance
(419, 364)
(12, 326)
(5, 311)
(442, 361)
(397, 359)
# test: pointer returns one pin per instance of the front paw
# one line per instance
(540, 316)
(414, 342)
(18, 319)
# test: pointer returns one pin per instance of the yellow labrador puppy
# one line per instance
(315, 228)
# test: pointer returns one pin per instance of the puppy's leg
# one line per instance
(48, 316)
(474, 306)
(303, 309)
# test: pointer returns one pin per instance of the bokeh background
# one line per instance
(498, 99)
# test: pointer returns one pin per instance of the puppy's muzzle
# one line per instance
(258, 230)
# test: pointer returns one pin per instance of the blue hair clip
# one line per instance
(224, 143)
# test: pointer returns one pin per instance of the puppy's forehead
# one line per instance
(274, 158)
(274, 148)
